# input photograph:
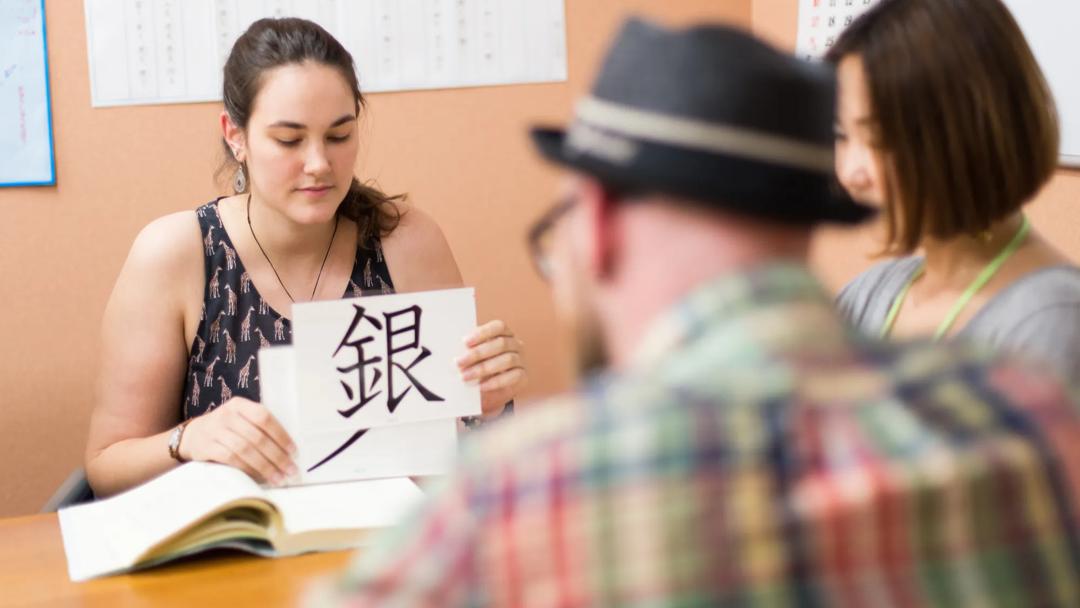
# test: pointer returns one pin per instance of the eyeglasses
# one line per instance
(541, 233)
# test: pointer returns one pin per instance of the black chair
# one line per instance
(74, 490)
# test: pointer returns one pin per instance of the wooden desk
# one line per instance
(33, 572)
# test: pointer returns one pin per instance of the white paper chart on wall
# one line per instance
(172, 51)
(1048, 25)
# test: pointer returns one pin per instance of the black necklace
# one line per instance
(280, 282)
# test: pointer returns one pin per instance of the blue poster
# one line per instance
(26, 143)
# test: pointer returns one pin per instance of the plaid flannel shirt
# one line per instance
(757, 453)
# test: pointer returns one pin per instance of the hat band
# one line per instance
(703, 136)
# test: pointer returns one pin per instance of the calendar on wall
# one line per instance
(821, 21)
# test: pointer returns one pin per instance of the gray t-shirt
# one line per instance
(1037, 316)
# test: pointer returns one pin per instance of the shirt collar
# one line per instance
(762, 308)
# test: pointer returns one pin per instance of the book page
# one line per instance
(336, 516)
(347, 505)
(109, 535)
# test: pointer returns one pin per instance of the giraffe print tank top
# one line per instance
(237, 322)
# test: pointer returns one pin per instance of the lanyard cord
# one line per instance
(980, 281)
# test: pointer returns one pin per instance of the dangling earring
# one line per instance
(240, 180)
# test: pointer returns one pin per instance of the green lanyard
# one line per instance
(980, 281)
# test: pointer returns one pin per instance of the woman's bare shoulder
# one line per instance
(418, 229)
(166, 260)
(419, 254)
(169, 243)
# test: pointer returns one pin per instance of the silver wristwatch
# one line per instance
(174, 441)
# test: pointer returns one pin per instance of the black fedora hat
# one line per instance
(713, 115)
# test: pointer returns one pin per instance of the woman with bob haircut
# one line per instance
(947, 124)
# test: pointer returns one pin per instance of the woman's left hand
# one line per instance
(494, 362)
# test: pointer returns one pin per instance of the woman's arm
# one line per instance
(149, 322)
(144, 355)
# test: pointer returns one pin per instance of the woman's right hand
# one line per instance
(245, 435)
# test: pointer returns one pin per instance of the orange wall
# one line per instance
(841, 254)
(462, 154)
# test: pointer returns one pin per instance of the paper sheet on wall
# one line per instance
(26, 149)
(173, 51)
(1048, 25)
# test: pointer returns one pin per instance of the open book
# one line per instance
(201, 506)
